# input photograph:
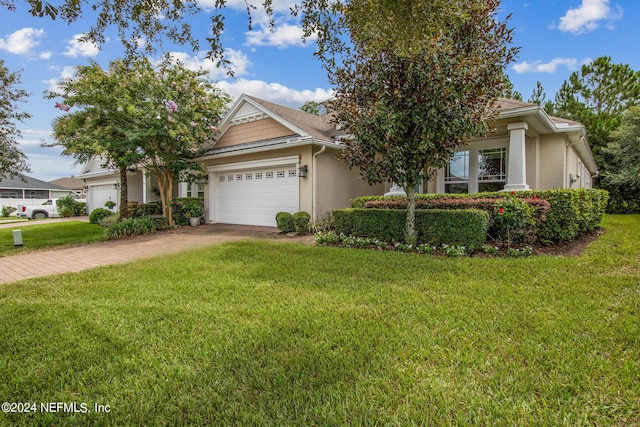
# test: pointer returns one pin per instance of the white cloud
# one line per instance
(282, 36)
(588, 15)
(34, 137)
(66, 73)
(22, 41)
(545, 67)
(79, 48)
(239, 63)
(279, 6)
(45, 55)
(274, 92)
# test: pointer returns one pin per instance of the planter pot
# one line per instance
(194, 222)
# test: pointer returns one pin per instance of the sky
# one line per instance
(556, 37)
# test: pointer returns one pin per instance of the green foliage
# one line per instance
(66, 212)
(98, 214)
(43, 236)
(108, 221)
(73, 207)
(436, 226)
(146, 209)
(131, 227)
(624, 149)
(514, 221)
(185, 208)
(13, 162)
(7, 211)
(284, 222)
(301, 222)
(572, 212)
(313, 107)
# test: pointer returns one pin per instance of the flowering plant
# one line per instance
(514, 220)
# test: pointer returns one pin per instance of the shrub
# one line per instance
(514, 221)
(570, 212)
(284, 222)
(66, 212)
(130, 227)
(108, 221)
(159, 221)
(8, 210)
(74, 208)
(185, 208)
(435, 226)
(146, 209)
(301, 222)
(98, 214)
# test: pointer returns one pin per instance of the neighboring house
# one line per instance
(72, 183)
(16, 191)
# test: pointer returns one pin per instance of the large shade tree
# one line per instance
(136, 113)
(12, 159)
(409, 108)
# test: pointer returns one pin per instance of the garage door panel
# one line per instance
(254, 197)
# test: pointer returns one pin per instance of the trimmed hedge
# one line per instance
(284, 222)
(98, 214)
(301, 222)
(131, 227)
(433, 226)
(572, 212)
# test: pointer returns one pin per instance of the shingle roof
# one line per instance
(70, 183)
(319, 127)
(512, 104)
(30, 183)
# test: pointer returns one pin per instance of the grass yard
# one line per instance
(264, 333)
(48, 235)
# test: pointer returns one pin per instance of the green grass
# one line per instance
(263, 333)
(50, 235)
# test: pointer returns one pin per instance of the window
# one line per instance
(456, 179)
(221, 178)
(492, 169)
(230, 178)
(280, 174)
(239, 177)
(293, 173)
(248, 176)
(258, 175)
(36, 194)
(269, 175)
(9, 194)
(201, 189)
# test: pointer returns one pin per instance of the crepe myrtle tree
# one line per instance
(407, 111)
(136, 113)
(12, 160)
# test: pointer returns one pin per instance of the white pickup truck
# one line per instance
(47, 210)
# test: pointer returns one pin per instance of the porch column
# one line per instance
(517, 162)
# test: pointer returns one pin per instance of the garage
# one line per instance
(255, 196)
(98, 195)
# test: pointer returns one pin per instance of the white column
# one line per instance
(517, 162)
(395, 190)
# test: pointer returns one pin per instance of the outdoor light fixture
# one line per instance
(302, 171)
(116, 186)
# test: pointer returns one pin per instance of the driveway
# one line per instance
(77, 258)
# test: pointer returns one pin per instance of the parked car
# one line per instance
(46, 210)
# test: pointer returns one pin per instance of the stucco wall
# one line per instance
(552, 161)
(533, 163)
(337, 185)
(258, 130)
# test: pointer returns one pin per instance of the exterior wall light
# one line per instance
(302, 171)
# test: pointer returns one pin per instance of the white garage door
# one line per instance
(255, 196)
(98, 195)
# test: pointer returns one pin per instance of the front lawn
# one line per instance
(264, 333)
(49, 235)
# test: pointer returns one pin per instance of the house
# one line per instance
(270, 158)
(25, 190)
(72, 183)
(527, 149)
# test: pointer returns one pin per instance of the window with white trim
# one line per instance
(492, 169)
(456, 178)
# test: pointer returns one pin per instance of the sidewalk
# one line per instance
(64, 260)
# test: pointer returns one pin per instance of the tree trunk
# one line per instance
(124, 196)
(410, 230)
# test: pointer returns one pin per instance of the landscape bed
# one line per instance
(263, 333)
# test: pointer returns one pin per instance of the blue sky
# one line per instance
(555, 36)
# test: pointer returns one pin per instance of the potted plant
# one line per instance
(193, 209)
(110, 204)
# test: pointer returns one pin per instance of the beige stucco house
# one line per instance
(269, 158)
